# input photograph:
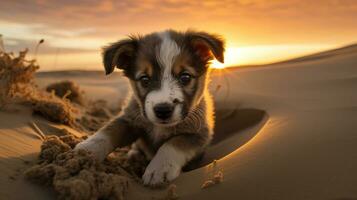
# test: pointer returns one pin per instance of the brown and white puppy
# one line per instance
(170, 113)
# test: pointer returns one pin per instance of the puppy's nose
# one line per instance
(163, 110)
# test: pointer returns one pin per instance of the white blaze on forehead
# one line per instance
(166, 57)
(169, 90)
(168, 51)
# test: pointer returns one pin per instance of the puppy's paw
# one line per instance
(159, 172)
(86, 145)
(99, 147)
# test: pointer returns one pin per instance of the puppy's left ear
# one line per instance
(120, 54)
(207, 45)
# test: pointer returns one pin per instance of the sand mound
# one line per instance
(68, 90)
(54, 110)
(76, 174)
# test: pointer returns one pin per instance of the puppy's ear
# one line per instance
(205, 45)
(120, 54)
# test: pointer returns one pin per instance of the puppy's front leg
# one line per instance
(171, 157)
(117, 133)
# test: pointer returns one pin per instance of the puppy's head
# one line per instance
(167, 70)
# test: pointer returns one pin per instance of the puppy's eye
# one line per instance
(145, 81)
(185, 78)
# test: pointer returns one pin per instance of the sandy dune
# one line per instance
(284, 131)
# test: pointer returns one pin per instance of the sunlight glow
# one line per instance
(252, 55)
(217, 65)
(263, 54)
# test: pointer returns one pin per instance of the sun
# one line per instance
(217, 65)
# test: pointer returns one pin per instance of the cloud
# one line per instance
(86, 25)
(126, 16)
(109, 20)
(15, 45)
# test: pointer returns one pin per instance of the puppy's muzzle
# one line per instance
(164, 111)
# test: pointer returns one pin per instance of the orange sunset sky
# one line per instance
(257, 31)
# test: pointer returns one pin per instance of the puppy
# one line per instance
(170, 114)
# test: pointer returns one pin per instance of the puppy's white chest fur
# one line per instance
(159, 133)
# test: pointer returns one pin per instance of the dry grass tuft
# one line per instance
(16, 77)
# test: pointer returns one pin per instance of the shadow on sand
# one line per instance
(234, 128)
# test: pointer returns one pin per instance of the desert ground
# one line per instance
(283, 131)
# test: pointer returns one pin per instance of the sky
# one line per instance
(256, 31)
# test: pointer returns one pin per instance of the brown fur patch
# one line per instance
(183, 63)
(144, 67)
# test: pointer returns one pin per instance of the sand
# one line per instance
(76, 174)
(217, 178)
(284, 131)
